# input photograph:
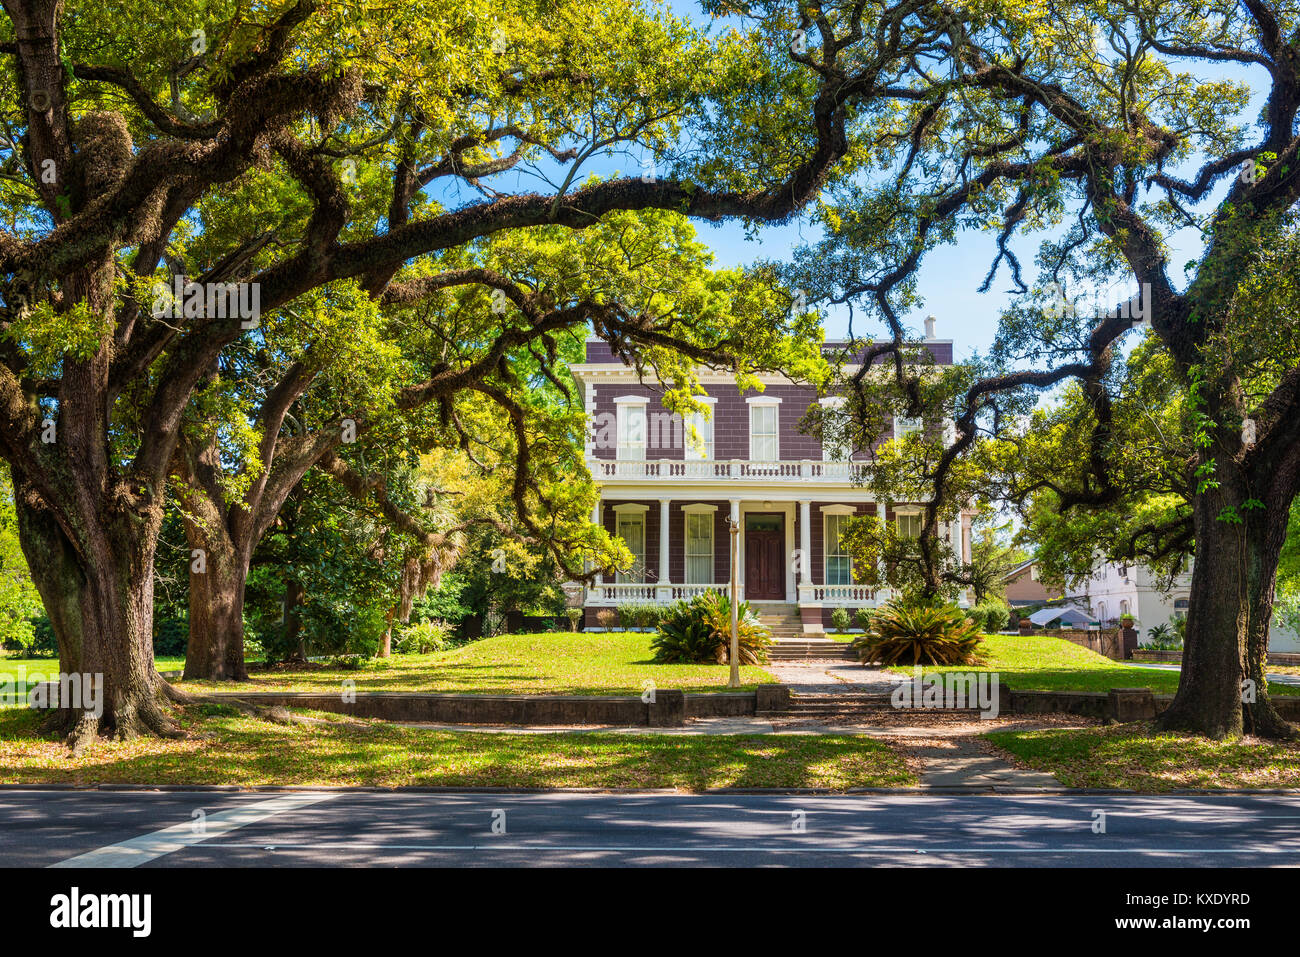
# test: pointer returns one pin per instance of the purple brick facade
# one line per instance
(798, 482)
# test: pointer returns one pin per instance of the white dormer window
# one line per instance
(631, 426)
(834, 449)
(764, 429)
(700, 446)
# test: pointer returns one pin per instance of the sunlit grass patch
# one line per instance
(617, 663)
(224, 749)
(1132, 756)
(1044, 663)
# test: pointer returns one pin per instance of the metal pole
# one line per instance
(735, 588)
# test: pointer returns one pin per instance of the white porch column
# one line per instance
(733, 521)
(954, 532)
(882, 593)
(663, 593)
(805, 543)
(665, 575)
(597, 519)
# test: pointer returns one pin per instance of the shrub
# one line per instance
(605, 618)
(840, 619)
(1163, 638)
(171, 636)
(699, 632)
(915, 633)
(575, 616)
(978, 617)
(996, 616)
(422, 638)
(627, 613)
(864, 616)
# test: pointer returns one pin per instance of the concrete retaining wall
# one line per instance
(1280, 658)
(669, 709)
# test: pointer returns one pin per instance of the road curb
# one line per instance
(919, 791)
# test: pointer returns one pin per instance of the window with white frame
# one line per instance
(631, 427)
(839, 564)
(764, 437)
(630, 527)
(834, 446)
(699, 548)
(909, 524)
(904, 426)
(700, 445)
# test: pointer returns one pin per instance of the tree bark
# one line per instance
(216, 604)
(386, 642)
(100, 604)
(294, 597)
(1228, 617)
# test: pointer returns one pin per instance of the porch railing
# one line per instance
(843, 594)
(619, 593)
(727, 470)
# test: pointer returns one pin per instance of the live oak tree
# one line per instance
(1089, 127)
(308, 146)
(1149, 460)
(342, 375)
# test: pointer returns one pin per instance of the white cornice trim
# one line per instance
(699, 507)
(838, 510)
(632, 400)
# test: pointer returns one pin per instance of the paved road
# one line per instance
(355, 828)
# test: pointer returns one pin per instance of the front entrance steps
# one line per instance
(847, 704)
(783, 621)
(809, 649)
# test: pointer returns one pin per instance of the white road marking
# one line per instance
(147, 847)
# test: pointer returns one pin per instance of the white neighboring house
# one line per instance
(1117, 590)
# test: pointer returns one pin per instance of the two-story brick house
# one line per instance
(671, 498)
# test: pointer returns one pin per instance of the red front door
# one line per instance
(763, 566)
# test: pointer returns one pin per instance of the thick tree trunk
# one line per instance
(294, 596)
(218, 577)
(216, 649)
(1230, 607)
(52, 562)
(100, 603)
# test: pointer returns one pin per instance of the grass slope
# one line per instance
(1043, 663)
(616, 663)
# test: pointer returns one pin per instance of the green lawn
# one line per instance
(224, 748)
(615, 663)
(1042, 663)
(1129, 756)
(9, 667)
